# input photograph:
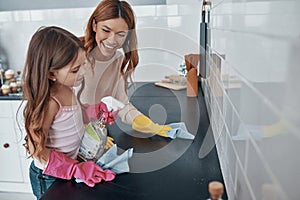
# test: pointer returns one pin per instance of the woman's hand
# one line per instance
(145, 125)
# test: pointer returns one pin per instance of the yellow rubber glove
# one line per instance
(145, 125)
(109, 142)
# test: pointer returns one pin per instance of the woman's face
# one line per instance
(110, 35)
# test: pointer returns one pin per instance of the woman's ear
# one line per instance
(94, 24)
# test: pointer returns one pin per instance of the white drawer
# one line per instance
(5, 109)
(7, 128)
(10, 168)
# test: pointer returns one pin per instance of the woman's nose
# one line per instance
(112, 38)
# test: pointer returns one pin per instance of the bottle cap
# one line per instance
(112, 103)
(268, 191)
(215, 188)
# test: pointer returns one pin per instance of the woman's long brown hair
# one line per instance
(111, 9)
(50, 48)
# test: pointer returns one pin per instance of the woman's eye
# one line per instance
(105, 30)
(121, 34)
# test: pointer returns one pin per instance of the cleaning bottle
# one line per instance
(94, 139)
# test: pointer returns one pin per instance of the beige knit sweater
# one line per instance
(105, 79)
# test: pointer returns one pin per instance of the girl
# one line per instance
(53, 117)
(111, 27)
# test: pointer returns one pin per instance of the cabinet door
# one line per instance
(10, 167)
(19, 125)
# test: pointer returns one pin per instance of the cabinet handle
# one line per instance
(6, 145)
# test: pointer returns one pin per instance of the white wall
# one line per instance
(253, 95)
(165, 33)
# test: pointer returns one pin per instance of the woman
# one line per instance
(112, 27)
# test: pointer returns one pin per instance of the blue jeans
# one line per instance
(39, 182)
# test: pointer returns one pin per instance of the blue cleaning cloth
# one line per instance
(254, 131)
(179, 130)
(114, 162)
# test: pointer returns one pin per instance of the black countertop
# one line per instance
(7, 97)
(161, 168)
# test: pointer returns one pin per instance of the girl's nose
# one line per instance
(82, 70)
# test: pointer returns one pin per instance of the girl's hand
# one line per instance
(61, 166)
(99, 111)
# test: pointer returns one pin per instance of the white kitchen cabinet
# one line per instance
(14, 168)
(10, 168)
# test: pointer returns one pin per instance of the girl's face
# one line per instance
(72, 74)
(110, 35)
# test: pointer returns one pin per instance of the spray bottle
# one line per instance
(94, 139)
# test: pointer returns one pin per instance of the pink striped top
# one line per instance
(66, 131)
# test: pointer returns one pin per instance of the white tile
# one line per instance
(263, 7)
(259, 58)
(232, 159)
(164, 40)
(243, 188)
(287, 148)
(270, 22)
(174, 22)
(142, 11)
(170, 2)
(192, 9)
(6, 16)
(21, 16)
(168, 10)
(146, 22)
(39, 15)
(260, 41)
(225, 8)
(271, 7)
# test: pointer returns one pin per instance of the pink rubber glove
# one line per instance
(61, 166)
(98, 111)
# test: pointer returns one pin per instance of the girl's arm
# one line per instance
(59, 165)
(51, 110)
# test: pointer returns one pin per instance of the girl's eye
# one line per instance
(75, 71)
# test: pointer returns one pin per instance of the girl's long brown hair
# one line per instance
(50, 48)
(111, 9)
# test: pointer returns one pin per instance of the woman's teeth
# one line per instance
(107, 46)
